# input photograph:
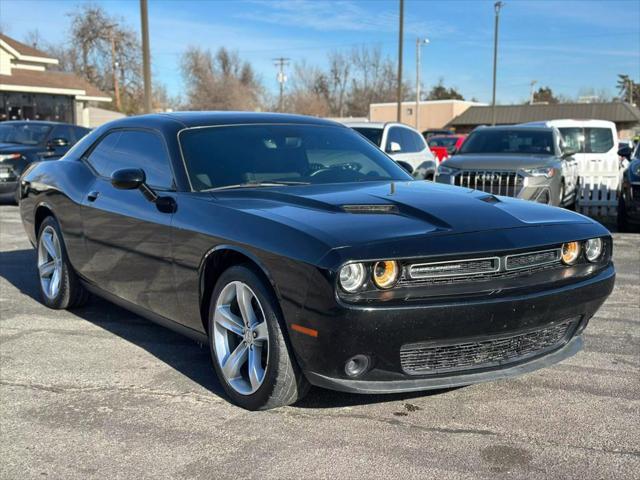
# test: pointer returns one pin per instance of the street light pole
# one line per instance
(146, 62)
(400, 35)
(532, 94)
(498, 5)
(419, 43)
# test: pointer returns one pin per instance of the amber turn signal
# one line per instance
(570, 252)
(385, 274)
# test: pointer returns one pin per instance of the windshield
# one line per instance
(588, 140)
(443, 141)
(23, 133)
(522, 141)
(250, 155)
(374, 135)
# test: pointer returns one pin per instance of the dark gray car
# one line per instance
(523, 162)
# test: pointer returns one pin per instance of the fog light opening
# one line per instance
(356, 365)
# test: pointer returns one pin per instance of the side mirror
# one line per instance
(406, 166)
(566, 153)
(128, 178)
(452, 151)
(58, 142)
(394, 147)
(625, 152)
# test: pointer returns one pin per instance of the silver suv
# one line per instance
(402, 143)
(524, 162)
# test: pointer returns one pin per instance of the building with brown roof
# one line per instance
(31, 90)
(624, 115)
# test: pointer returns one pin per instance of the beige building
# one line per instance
(433, 113)
(30, 89)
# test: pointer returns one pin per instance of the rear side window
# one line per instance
(588, 140)
(133, 149)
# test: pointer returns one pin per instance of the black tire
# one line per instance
(71, 293)
(283, 383)
(623, 223)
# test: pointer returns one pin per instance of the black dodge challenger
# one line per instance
(302, 254)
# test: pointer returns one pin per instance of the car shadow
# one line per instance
(182, 354)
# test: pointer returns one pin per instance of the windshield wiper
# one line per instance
(276, 183)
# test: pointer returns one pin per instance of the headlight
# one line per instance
(546, 172)
(351, 277)
(593, 249)
(570, 252)
(9, 156)
(385, 274)
(444, 170)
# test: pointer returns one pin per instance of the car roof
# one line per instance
(566, 122)
(523, 127)
(200, 119)
(379, 125)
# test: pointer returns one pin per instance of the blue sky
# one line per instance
(567, 45)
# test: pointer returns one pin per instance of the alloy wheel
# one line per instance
(241, 338)
(49, 262)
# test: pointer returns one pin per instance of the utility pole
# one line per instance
(419, 43)
(114, 69)
(532, 95)
(146, 61)
(630, 91)
(498, 5)
(281, 62)
(400, 35)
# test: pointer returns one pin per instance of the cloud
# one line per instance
(339, 15)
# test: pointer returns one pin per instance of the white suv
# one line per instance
(402, 143)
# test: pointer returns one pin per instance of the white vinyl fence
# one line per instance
(598, 189)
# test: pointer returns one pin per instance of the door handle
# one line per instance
(92, 196)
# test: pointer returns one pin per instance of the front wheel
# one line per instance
(250, 353)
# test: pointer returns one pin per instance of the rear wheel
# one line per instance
(59, 284)
(250, 353)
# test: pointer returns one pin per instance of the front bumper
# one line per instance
(9, 186)
(381, 332)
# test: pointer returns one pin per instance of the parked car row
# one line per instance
(24, 142)
(629, 200)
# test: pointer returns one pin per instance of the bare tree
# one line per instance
(219, 82)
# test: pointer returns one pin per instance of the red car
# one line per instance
(442, 146)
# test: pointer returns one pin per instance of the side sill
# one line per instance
(199, 337)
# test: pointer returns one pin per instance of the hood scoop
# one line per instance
(379, 209)
(490, 199)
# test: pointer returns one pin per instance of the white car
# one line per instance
(594, 141)
(402, 143)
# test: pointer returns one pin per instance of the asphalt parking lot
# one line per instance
(102, 393)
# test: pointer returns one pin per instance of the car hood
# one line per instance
(498, 161)
(416, 209)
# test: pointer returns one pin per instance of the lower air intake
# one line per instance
(429, 358)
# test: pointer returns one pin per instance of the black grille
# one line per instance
(455, 268)
(527, 260)
(635, 192)
(507, 183)
(422, 359)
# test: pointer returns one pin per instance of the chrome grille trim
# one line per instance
(540, 258)
(454, 268)
(497, 182)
